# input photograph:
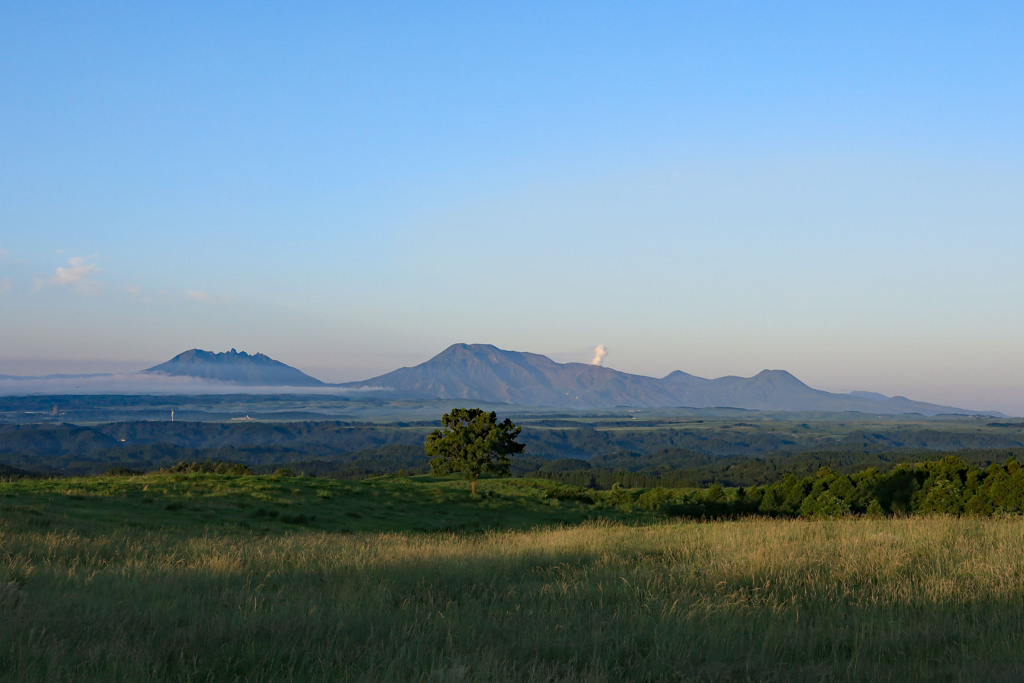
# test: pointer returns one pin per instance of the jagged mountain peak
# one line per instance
(233, 355)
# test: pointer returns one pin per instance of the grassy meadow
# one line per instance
(217, 577)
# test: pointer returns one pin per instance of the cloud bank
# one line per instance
(137, 383)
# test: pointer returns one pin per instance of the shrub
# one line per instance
(208, 467)
(655, 499)
(566, 492)
(684, 509)
(122, 471)
(619, 496)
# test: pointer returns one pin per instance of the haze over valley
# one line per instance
(487, 374)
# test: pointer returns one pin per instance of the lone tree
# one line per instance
(473, 442)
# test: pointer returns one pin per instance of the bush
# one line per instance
(122, 471)
(685, 510)
(208, 467)
(619, 496)
(566, 492)
(655, 499)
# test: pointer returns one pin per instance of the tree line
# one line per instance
(949, 486)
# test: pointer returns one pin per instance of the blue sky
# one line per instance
(835, 189)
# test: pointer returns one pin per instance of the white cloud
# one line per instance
(142, 383)
(5, 284)
(77, 271)
(78, 274)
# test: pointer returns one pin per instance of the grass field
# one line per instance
(270, 504)
(206, 577)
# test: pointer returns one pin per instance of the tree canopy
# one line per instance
(473, 442)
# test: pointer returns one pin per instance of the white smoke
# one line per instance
(599, 353)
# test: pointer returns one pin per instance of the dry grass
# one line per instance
(854, 599)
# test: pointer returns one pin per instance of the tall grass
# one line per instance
(933, 598)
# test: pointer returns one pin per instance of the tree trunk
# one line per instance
(474, 486)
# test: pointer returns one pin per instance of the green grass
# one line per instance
(227, 504)
(178, 578)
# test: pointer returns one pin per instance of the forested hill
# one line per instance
(731, 451)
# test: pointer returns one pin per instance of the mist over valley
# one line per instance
(483, 373)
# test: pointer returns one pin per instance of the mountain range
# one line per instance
(486, 374)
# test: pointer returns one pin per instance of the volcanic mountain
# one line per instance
(234, 366)
(485, 373)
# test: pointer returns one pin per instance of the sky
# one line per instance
(834, 189)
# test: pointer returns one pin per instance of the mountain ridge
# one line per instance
(483, 372)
